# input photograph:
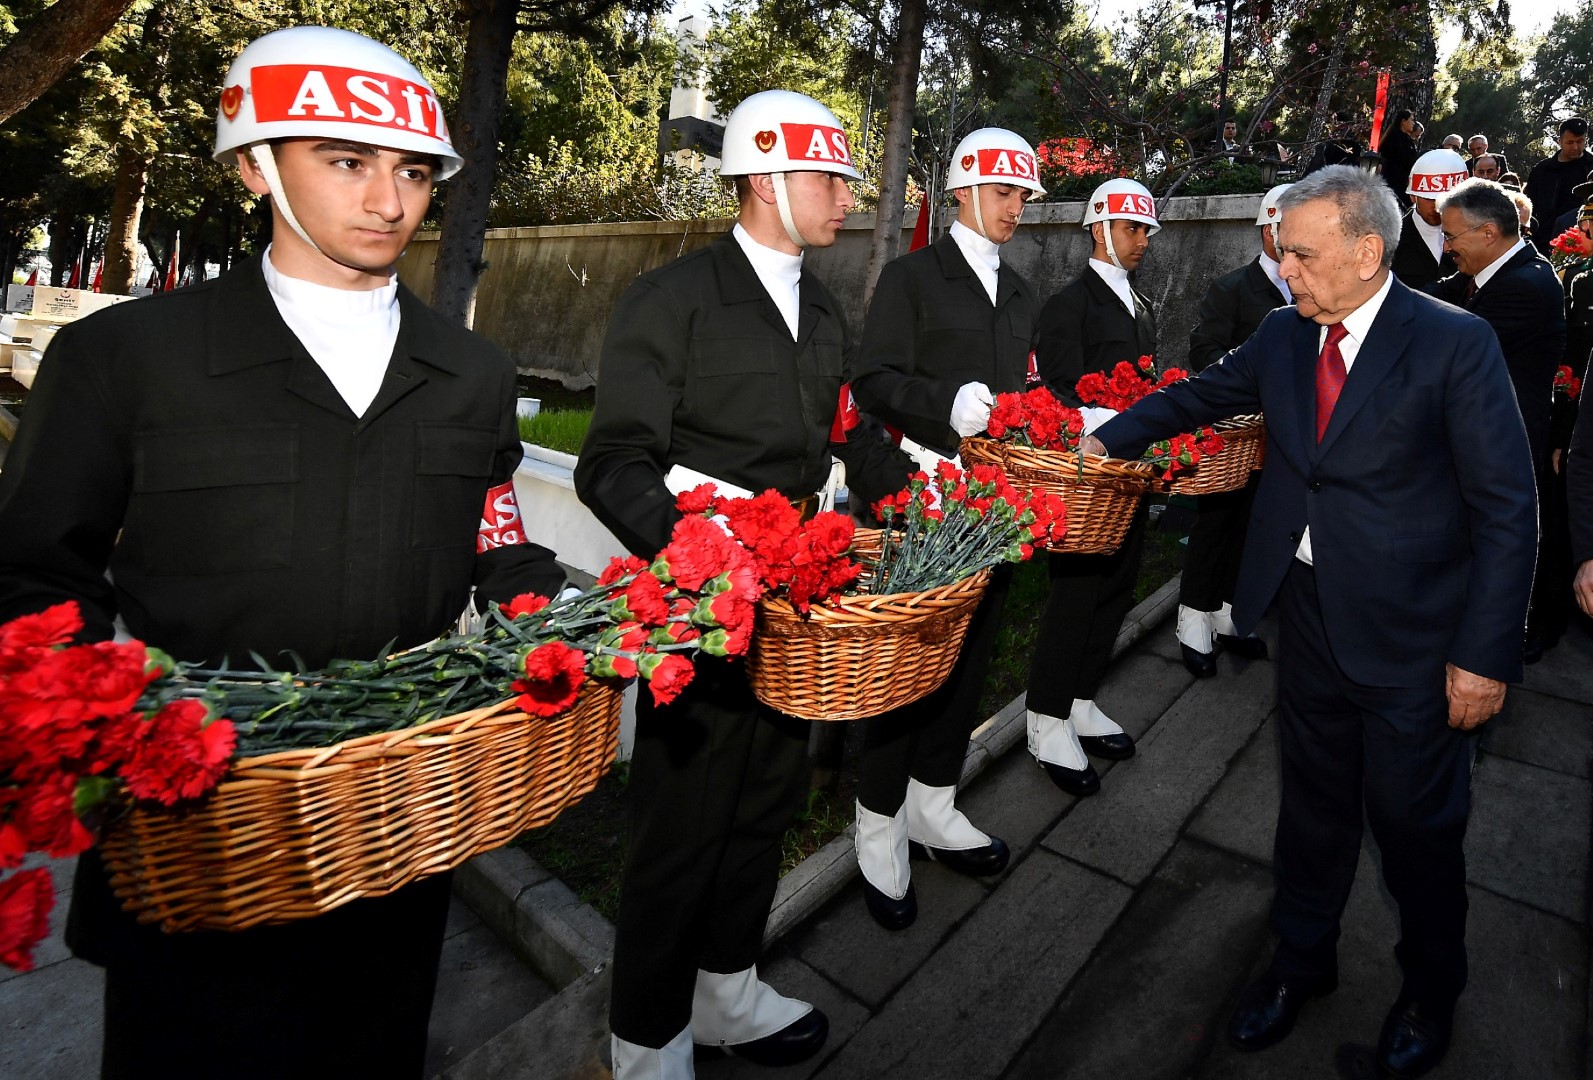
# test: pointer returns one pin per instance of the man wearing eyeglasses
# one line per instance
(1502, 278)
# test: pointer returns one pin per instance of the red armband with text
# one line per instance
(500, 519)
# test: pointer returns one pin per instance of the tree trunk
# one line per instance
(483, 88)
(898, 140)
(45, 48)
(132, 162)
(1330, 80)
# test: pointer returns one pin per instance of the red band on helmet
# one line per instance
(846, 415)
(816, 142)
(345, 95)
(500, 519)
(1435, 183)
(1014, 163)
(1129, 203)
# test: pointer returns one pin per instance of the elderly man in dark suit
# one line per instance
(1395, 530)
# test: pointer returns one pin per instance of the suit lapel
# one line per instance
(1384, 345)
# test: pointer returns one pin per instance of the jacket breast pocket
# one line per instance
(211, 500)
(453, 469)
(732, 383)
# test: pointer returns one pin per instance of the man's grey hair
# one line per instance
(1456, 139)
(1480, 201)
(1365, 203)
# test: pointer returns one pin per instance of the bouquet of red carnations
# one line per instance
(1566, 384)
(1570, 246)
(1129, 383)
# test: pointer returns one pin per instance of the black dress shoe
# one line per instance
(890, 913)
(1201, 665)
(1267, 1010)
(1414, 1038)
(1118, 747)
(1250, 647)
(974, 862)
(1079, 782)
(797, 1041)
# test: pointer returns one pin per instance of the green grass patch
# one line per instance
(557, 429)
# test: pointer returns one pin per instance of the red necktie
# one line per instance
(1329, 378)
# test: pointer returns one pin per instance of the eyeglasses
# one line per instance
(1448, 239)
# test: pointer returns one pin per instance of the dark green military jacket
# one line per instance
(931, 328)
(699, 369)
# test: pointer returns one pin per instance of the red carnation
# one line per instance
(697, 500)
(525, 604)
(647, 601)
(554, 673)
(697, 551)
(13, 845)
(667, 675)
(25, 902)
(618, 568)
(181, 756)
(44, 814)
(44, 630)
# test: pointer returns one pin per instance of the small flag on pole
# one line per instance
(171, 271)
(99, 276)
(921, 230)
(71, 282)
(33, 278)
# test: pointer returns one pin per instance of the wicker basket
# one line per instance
(1102, 495)
(863, 655)
(296, 833)
(1245, 439)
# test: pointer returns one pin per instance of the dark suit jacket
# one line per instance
(1420, 498)
(1231, 310)
(1525, 305)
(1085, 328)
(930, 329)
(699, 368)
(1413, 259)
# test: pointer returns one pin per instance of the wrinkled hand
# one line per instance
(1091, 445)
(970, 412)
(1094, 417)
(1472, 698)
(1583, 587)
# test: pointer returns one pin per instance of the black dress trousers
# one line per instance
(1390, 749)
(715, 779)
(1216, 542)
(1090, 595)
(927, 740)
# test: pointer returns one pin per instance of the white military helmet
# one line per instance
(1270, 215)
(993, 155)
(1121, 198)
(1435, 172)
(336, 84)
(781, 131)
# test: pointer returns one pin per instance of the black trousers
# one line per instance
(345, 994)
(715, 779)
(1090, 595)
(927, 740)
(1390, 749)
(1211, 563)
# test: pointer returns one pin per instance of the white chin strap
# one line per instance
(1111, 250)
(782, 202)
(979, 216)
(266, 162)
(1273, 227)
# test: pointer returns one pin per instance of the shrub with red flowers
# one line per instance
(1566, 384)
(945, 527)
(76, 723)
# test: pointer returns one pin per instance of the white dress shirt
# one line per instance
(780, 273)
(1432, 234)
(1356, 326)
(1275, 275)
(1117, 279)
(349, 333)
(982, 255)
(1486, 273)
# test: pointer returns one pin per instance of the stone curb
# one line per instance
(564, 940)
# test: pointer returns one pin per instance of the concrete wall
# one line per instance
(547, 292)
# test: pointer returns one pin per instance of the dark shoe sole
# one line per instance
(798, 1041)
(974, 862)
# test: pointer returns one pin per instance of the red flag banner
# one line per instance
(33, 278)
(171, 272)
(99, 275)
(921, 230)
(71, 281)
(1381, 109)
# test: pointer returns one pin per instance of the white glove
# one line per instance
(970, 412)
(1095, 417)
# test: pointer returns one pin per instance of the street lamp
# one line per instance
(1371, 162)
(1269, 166)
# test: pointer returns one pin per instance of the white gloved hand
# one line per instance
(970, 412)
(1095, 417)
